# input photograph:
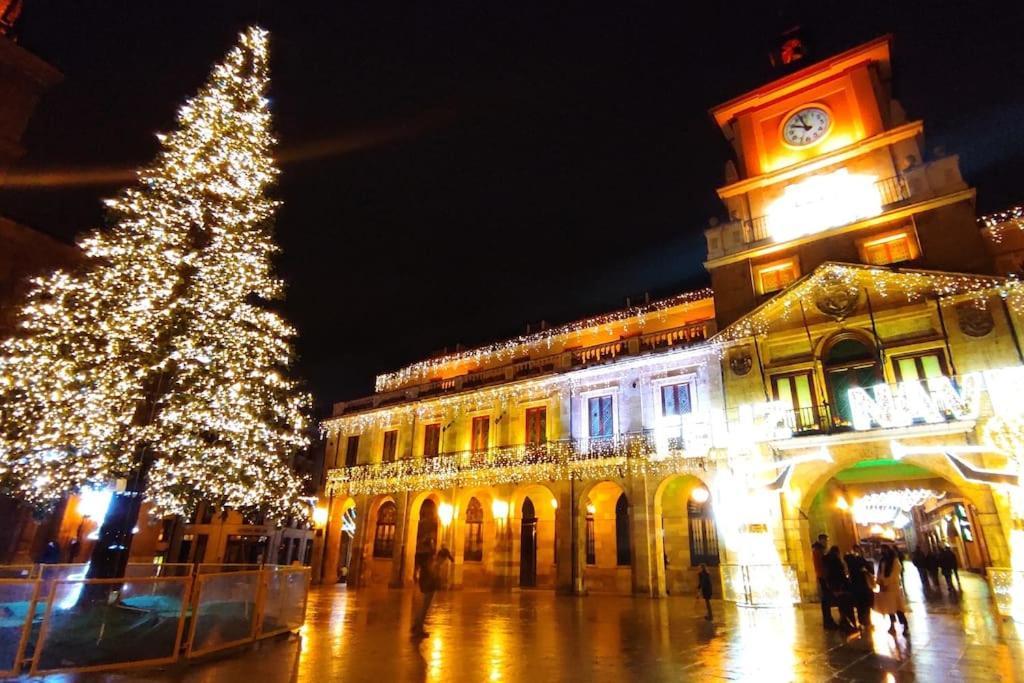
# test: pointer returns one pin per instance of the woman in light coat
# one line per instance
(890, 599)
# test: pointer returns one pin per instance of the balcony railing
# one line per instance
(552, 461)
(892, 190)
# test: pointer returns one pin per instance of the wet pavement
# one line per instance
(539, 637)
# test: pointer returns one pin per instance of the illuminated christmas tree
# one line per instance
(160, 363)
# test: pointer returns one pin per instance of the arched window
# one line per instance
(622, 553)
(591, 540)
(384, 537)
(703, 535)
(474, 550)
(849, 361)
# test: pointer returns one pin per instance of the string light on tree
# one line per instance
(158, 361)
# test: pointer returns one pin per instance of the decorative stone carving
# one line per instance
(837, 300)
(974, 320)
(741, 361)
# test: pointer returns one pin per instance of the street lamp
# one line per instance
(445, 512)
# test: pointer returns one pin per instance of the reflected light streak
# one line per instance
(336, 146)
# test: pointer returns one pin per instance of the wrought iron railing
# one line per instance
(552, 460)
(892, 190)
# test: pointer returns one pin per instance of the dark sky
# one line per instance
(484, 164)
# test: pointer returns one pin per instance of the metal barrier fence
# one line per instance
(54, 620)
(1007, 591)
(760, 585)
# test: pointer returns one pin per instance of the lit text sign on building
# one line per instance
(821, 202)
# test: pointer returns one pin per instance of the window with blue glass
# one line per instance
(675, 399)
(600, 417)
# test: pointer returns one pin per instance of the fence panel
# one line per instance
(17, 571)
(760, 585)
(283, 600)
(97, 624)
(17, 601)
(137, 569)
(224, 611)
(225, 568)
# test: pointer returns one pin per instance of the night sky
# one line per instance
(454, 170)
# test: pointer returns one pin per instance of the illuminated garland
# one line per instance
(552, 461)
(913, 285)
(510, 348)
(160, 344)
(1001, 221)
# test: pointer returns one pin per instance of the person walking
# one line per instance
(839, 588)
(949, 564)
(890, 599)
(432, 574)
(920, 560)
(861, 579)
(704, 588)
(932, 563)
(818, 555)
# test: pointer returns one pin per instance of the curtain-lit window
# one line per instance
(384, 536)
(431, 440)
(891, 247)
(599, 411)
(352, 451)
(474, 550)
(481, 433)
(771, 277)
(920, 366)
(797, 391)
(675, 399)
(390, 445)
(623, 556)
(536, 426)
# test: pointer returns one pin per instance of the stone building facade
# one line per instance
(851, 373)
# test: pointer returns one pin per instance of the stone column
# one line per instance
(564, 548)
(643, 538)
(355, 573)
(332, 539)
(398, 573)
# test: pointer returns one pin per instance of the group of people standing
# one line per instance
(929, 564)
(854, 586)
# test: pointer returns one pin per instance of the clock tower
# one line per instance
(829, 168)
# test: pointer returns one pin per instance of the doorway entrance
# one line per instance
(528, 546)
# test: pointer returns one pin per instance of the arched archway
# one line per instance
(927, 503)
(689, 534)
(606, 538)
(378, 549)
(533, 509)
(474, 538)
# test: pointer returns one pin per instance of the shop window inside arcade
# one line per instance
(849, 362)
(474, 549)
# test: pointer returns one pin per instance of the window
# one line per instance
(771, 277)
(623, 556)
(703, 536)
(431, 440)
(920, 366)
(797, 391)
(591, 538)
(600, 417)
(390, 445)
(384, 537)
(481, 433)
(536, 426)
(352, 451)
(474, 550)
(675, 399)
(849, 361)
(890, 247)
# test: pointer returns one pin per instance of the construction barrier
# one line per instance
(57, 621)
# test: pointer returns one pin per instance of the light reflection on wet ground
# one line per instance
(539, 637)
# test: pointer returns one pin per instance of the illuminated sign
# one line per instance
(935, 400)
(821, 202)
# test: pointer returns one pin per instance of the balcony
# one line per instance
(918, 183)
(524, 368)
(551, 461)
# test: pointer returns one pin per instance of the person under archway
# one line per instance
(890, 599)
(704, 588)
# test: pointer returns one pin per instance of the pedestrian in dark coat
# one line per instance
(704, 588)
(949, 564)
(861, 578)
(839, 588)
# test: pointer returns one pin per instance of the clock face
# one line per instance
(806, 126)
